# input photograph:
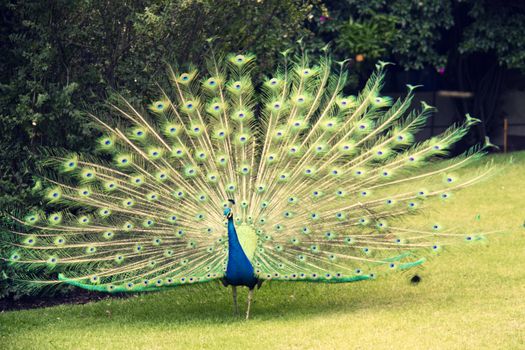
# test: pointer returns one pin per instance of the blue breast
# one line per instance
(239, 271)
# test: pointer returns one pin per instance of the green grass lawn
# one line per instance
(471, 297)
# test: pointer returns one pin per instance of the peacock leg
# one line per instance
(250, 296)
(235, 307)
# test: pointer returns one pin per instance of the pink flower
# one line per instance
(441, 70)
(323, 19)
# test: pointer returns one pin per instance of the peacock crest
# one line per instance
(320, 181)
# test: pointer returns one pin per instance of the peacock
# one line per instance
(228, 179)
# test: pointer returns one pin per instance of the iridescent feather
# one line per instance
(321, 181)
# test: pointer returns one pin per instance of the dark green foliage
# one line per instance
(474, 44)
(416, 34)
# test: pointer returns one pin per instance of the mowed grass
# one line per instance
(470, 297)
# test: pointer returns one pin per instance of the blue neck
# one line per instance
(239, 271)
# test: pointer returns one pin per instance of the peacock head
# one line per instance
(231, 203)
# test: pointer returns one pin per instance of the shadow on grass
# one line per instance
(212, 304)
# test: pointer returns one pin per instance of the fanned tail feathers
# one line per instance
(323, 179)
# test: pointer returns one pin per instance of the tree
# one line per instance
(474, 43)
